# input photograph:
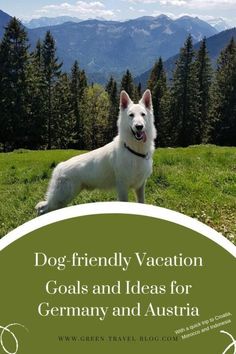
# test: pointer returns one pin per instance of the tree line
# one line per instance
(42, 107)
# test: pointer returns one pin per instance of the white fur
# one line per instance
(111, 166)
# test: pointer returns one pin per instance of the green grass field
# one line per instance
(197, 181)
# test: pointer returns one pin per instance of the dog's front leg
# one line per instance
(140, 193)
(122, 191)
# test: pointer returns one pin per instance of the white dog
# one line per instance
(124, 163)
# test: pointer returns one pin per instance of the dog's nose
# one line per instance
(139, 127)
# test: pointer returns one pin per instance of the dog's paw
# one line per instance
(42, 208)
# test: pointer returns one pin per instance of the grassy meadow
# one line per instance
(199, 181)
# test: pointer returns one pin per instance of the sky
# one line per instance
(121, 9)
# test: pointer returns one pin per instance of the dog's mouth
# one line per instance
(139, 135)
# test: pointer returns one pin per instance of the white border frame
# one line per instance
(118, 208)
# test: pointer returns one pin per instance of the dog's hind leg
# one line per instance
(42, 207)
(140, 193)
(60, 193)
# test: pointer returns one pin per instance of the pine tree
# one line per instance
(139, 90)
(14, 86)
(156, 73)
(52, 71)
(157, 83)
(83, 83)
(204, 77)
(127, 84)
(38, 96)
(136, 93)
(164, 122)
(112, 91)
(75, 88)
(184, 98)
(76, 103)
(78, 87)
(223, 111)
(64, 127)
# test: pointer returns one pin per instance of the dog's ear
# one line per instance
(146, 100)
(124, 100)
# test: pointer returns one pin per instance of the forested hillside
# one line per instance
(43, 108)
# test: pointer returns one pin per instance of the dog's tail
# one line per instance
(42, 208)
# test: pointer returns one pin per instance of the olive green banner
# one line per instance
(116, 284)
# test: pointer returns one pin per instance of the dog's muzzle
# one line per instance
(139, 135)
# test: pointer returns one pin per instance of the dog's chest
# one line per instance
(140, 170)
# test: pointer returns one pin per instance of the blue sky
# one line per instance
(121, 9)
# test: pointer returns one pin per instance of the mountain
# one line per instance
(215, 45)
(110, 47)
(105, 48)
(219, 24)
(195, 26)
(4, 19)
(49, 21)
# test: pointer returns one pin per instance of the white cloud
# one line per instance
(197, 4)
(81, 9)
(173, 2)
(158, 13)
(143, 1)
(141, 11)
(159, 2)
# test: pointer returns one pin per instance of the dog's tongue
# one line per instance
(141, 135)
(144, 137)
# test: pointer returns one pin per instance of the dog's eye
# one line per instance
(143, 114)
(131, 115)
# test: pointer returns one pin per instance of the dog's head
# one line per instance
(138, 118)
